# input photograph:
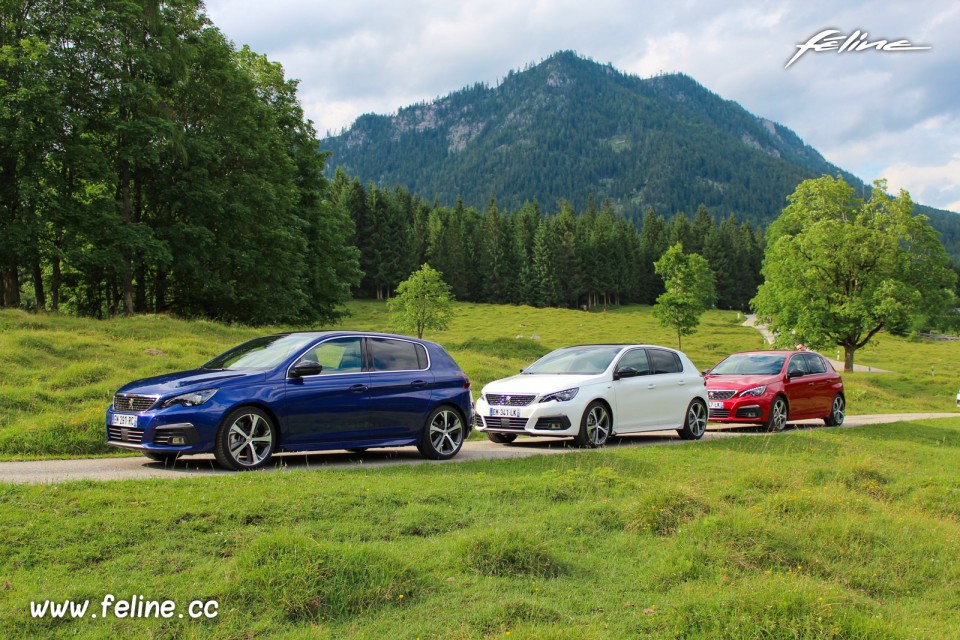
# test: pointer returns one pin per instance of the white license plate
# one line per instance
(716, 404)
(123, 420)
(504, 412)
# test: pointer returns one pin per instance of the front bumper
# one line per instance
(751, 409)
(163, 431)
(535, 419)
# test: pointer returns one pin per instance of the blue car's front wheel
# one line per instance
(246, 439)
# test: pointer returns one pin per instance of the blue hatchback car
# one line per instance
(303, 391)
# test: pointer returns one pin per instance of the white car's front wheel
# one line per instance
(596, 425)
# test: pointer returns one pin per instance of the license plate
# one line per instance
(716, 405)
(504, 412)
(123, 420)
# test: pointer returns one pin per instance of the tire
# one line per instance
(443, 434)
(596, 425)
(246, 439)
(695, 422)
(837, 412)
(502, 438)
(166, 458)
(778, 415)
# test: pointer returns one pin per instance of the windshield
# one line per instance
(750, 364)
(575, 360)
(261, 353)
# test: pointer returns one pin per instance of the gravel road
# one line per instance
(139, 468)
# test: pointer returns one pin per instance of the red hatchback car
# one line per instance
(771, 387)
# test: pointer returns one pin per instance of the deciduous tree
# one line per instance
(689, 291)
(423, 301)
(838, 269)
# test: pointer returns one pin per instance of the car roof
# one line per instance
(764, 352)
(347, 333)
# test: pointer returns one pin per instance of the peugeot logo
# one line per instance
(506, 400)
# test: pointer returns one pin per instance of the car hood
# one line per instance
(187, 381)
(538, 383)
(733, 382)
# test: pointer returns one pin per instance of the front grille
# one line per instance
(511, 400)
(517, 424)
(126, 403)
(123, 434)
(719, 413)
(720, 395)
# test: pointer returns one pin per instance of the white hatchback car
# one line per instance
(591, 392)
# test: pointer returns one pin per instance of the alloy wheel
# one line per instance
(598, 425)
(446, 432)
(250, 440)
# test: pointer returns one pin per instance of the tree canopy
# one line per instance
(147, 165)
(838, 268)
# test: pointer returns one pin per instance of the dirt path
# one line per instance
(751, 321)
(140, 468)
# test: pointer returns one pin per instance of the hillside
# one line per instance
(571, 128)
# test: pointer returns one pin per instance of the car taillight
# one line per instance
(466, 380)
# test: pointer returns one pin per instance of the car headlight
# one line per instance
(755, 391)
(192, 399)
(561, 396)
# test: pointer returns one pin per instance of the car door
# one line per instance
(631, 391)
(669, 401)
(401, 386)
(329, 406)
(798, 386)
(820, 384)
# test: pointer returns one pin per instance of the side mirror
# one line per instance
(796, 373)
(305, 368)
(625, 372)
(706, 372)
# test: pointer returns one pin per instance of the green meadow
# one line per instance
(58, 373)
(813, 533)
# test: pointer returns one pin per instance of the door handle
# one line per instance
(651, 386)
(417, 384)
(358, 388)
(682, 382)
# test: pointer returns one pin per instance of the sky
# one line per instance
(877, 114)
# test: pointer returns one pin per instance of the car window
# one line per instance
(815, 363)
(341, 355)
(664, 361)
(798, 362)
(387, 354)
(581, 360)
(261, 353)
(636, 359)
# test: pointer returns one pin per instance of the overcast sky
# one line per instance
(893, 115)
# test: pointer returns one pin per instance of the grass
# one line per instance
(821, 533)
(58, 373)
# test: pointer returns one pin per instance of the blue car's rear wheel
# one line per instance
(442, 434)
(246, 439)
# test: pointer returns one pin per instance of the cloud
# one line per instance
(869, 112)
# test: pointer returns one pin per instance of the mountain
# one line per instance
(572, 128)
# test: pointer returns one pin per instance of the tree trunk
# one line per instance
(140, 300)
(55, 285)
(11, 287)
(38, 291)
(848, 352)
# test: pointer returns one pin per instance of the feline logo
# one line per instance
(831, 39)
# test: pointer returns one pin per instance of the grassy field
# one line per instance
(823, 533)
(58, 373)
